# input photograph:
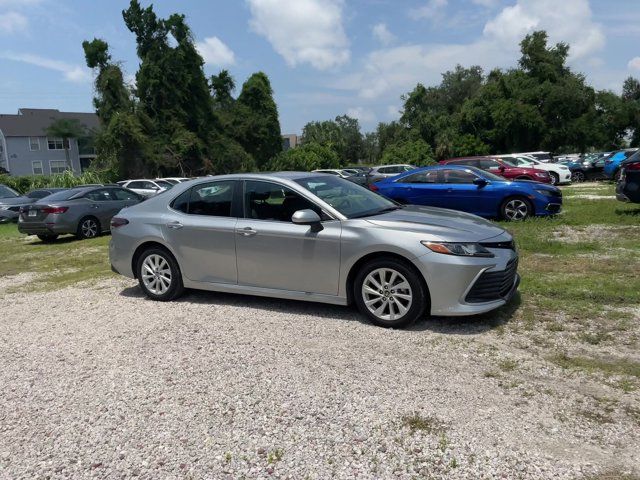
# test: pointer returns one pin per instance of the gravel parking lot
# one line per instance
(100, 382)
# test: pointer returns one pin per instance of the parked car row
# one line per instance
(628, 185)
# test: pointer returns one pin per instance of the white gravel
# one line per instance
(100, 382)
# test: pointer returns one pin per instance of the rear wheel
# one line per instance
(555, 178)
(390, 293)
(159, 275)
(516, 209)
(47, 237)
(89, 227)
(578, 177)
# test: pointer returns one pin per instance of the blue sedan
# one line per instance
(472, 190)
(612, 163)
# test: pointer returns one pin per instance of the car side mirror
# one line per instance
(502, 168)
(305, 217)
(480, 182)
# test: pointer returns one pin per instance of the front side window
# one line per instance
(430, 176)
(348, 198)
(122, 194)
(488, 164)
(458, 176)
(99, 195)
(271, 201)
(37, 194)
(34, 143)
(213, 199)
(58, 166)
(36, 167)
(55, 143)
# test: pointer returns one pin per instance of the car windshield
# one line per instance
(508, 162)
(6, 192)
(351, 200)
(164, 184)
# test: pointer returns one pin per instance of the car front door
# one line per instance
(462, 194)
(200, 226)
(419, 189)
(275, 253)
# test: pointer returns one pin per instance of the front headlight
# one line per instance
(546, 193)
(459, 249)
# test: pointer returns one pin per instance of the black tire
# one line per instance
(616, 176)
(417, 291)
(518, 204)
(88, 227)
(47, 237)
(555, 178)
(578, 176)
(175, 288)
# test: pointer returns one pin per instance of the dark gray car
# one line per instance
(10, 207)
(84, 212)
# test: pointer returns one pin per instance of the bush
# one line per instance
(61, 180)
(305, 158)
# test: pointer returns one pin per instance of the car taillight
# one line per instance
(632, 166)
(118, 222)
(55, 210)
(373, 187)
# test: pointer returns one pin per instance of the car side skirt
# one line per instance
(265, 292)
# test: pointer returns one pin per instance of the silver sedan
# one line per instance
(314, 237)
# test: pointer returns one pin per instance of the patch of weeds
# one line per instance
(614, 475)
(595, 338)
(227, 457)
(508, 365)
(454, 463)
(626, 385)
(633, 412)
(443, 443)
(595, 416)
(554, 327)
(275, 456)
(491, 374)
(416, 421)
(612, 366)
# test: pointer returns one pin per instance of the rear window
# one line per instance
(65, 194)
(6, 192)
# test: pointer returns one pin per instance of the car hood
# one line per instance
(450, 225)
(15, 201)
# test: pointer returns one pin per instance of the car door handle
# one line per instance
(247, 232)
(94, 206)
(175, 225)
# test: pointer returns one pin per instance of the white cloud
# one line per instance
(390, 72)
(215, 52)
(486, 3)
(72, 73)
(364, 115)
(303, 31)
(393, 111)
(432, 10)
(12, 22)
(382, 34)
(634, 64)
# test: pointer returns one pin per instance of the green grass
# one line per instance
(607, 366)
(56, 265)
(416, 422)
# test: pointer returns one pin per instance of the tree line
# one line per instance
(176, 121)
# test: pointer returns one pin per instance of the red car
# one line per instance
(502, 167)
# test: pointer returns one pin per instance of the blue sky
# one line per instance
(324, 57)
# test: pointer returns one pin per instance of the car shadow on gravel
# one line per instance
(453, 325)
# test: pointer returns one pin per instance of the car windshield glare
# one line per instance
(6, 192)
(487, 175)
(348, 198)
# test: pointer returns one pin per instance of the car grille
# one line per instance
(493, 285)
(511, 245)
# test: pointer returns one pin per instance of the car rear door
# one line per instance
(200, 226)
(275, 253)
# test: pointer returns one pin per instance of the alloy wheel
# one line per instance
(516, 209)
(156, 274)
(89, 228)
(387, 294)
(577, 177)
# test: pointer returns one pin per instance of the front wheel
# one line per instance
(578, 177)
(390, 293)
(159, 275)
(555, 178)
(516, 209)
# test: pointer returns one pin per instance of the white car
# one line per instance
(146, 188)
(334, 171)
(390, 170)
(174, 180)
(560, 174)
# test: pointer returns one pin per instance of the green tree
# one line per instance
(256, 123)
(66, 128)
(413, 152)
